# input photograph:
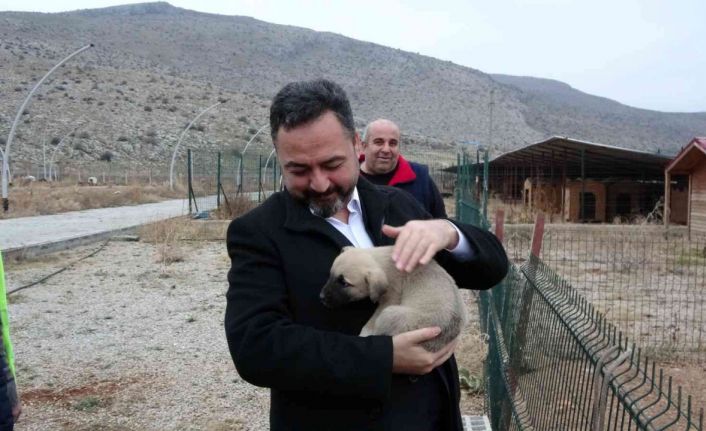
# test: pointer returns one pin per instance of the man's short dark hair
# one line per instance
(298, 103)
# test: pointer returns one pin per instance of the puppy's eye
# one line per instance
(342, 281)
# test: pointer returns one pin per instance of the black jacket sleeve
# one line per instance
(269, 349)
(437, 208)
(488, 266)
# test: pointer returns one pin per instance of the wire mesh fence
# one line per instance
(650, 283)
(105, 172)
(557, 363)
(554, 360)
(217, 178)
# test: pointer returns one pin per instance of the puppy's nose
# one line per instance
(323, 299)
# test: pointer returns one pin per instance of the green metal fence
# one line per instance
(651, 284)
(472, 189)
(555, 362)
(216, 178)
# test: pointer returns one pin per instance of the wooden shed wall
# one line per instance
(698, 200)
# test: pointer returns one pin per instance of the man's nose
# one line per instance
(319, 182)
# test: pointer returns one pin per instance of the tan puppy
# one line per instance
(426, 297)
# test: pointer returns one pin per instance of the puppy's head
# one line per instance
(354, 275)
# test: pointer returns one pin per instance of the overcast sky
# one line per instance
(645, 53)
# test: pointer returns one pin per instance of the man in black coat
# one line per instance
(322, 375)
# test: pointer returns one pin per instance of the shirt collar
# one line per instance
(354, 204)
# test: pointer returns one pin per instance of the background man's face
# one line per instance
(318, 162)
(381, 147)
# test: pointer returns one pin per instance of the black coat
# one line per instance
(321, 374)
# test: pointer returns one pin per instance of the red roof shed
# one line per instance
(690, 162)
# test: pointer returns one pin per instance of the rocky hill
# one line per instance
(154, 67)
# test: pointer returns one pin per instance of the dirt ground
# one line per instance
(124, 341)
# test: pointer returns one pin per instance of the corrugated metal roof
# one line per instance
(600, 161)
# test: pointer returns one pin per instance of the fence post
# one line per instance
(218, 182)
(189, 178)
(485, 187)
(518, 361)
(600, 388)
(458, 188)
(274, 175)
(538, 235)
(259, 179)
(500, 224)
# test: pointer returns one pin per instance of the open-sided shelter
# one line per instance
(579, 180)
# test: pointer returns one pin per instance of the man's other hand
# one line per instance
(418, 241)
(410, 357)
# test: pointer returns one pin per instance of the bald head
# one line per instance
(381, 146)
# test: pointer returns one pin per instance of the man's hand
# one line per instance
(16, 411)
(418, 241)
(409, 357)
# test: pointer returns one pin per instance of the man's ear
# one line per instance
(377, 283)
(357, 144)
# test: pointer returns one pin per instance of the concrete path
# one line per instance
(42, 234)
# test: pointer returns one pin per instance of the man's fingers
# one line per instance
(428, 256)
(420, 335)
(390, 231)
(445, 353)
(414, 258)
(398, 252)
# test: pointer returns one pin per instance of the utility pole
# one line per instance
(491, 105)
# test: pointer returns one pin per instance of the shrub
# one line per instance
(88, 403)
(107, 156)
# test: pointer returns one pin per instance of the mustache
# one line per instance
(311, 194)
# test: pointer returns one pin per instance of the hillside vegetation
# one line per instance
(154, 67)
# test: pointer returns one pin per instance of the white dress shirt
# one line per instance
(358, 236)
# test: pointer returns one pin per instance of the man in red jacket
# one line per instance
(382, 164)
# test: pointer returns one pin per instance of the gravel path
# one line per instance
(120, 342)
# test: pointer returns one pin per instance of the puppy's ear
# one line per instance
(348, 247)
(377, 283)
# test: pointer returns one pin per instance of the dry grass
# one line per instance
(167, 236)
(237, 205)
(226, 425)
(40, 198)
